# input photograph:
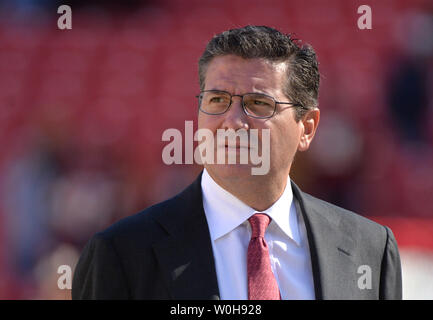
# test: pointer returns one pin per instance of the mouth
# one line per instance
(235, 147)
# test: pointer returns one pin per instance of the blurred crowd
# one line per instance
(82, 113)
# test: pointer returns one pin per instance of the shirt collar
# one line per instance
(224, 212)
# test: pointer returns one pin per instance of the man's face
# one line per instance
(239, 76)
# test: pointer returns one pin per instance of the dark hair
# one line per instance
(302, 85)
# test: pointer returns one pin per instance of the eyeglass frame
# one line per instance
(243, 105)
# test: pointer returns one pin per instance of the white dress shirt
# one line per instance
(230, 233)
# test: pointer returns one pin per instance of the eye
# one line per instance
(261, 103)
(217, 99)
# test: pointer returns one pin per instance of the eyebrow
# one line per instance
(228, 91)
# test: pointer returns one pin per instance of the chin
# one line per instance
(231, 172)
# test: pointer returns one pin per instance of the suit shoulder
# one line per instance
(143, 224)
(343, 216)
(158, 220)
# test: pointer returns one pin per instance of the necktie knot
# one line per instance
(259, 222)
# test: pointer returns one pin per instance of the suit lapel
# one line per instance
(331, 248)
(185, 255)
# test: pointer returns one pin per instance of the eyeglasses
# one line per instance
(256, 105)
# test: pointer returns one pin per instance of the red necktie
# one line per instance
(262, 284)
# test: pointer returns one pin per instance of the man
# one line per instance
(234, 235)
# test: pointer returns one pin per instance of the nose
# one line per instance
(235, 117)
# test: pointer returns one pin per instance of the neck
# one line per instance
(258, 192)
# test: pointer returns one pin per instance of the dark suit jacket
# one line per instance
(165, 252)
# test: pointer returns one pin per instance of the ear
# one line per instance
(309, 123)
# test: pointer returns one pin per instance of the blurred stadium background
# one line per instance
(82, 113)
